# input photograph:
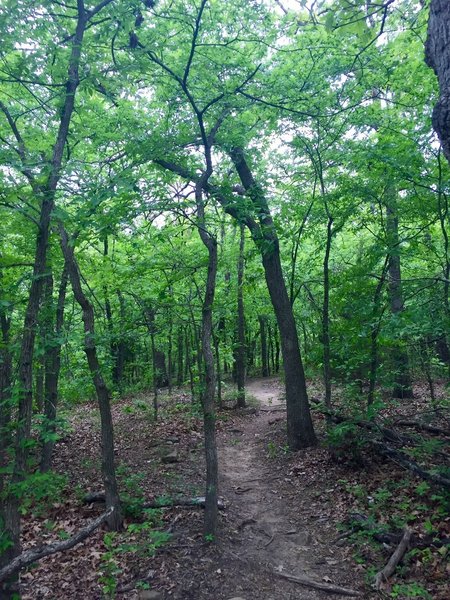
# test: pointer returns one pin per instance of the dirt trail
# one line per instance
(270, 533)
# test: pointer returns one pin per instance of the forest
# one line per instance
(224, 299)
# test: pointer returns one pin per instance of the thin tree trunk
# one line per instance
(402, 382)
(241, 347)
(326, 315)
(263, 336)
(180, 377)
(218, 371)
(109, 321)
(119, 366)
(209, 412)
(107, 432)
(52, 370)
(154, 377)
(170, 356)
(375, 330)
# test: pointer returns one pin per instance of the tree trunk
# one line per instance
(119, 366)
(263, 335)
(107, 433)
(218, 371)
(437, 56)
(52, 370)
(300, 430)
(209, 412)
(241, 349)
(402, 380)
(180, 377)
(9, 505)
(375, 330)
(326, 314)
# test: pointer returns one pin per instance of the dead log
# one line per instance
(166, 503)
(404, 461)
(422, 427)
(318, 585)
(31, 556)
(392, 563)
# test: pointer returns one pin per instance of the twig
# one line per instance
(392, 563)
(31, 556)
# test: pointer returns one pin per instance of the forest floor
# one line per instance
(283, 512)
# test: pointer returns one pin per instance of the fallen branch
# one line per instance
(166, 503)
(392, 563)
(31, 556)
(318, 585)
(422, 427)
(406, 462)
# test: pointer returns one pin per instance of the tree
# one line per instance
(437, 56)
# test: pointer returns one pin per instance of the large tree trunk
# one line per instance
(241, 350)
(107, 433)
(52, 370)
(437, 56)
(300, 430)
(402, 380)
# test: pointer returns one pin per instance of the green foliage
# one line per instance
(139, 540)
(38, 491)
(132, 496)
(409, 590)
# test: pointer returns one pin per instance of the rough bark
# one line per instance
(107, 433)
(437, 56)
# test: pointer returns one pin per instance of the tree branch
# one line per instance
(31, 556)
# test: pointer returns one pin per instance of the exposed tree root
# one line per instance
(318, 585)
(392, 563)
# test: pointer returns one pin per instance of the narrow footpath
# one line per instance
(271, 534)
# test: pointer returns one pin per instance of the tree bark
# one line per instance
(52, 370)
(437, 56)
(300, 430)
(9, 509)
(209, 413)
(107, 432)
